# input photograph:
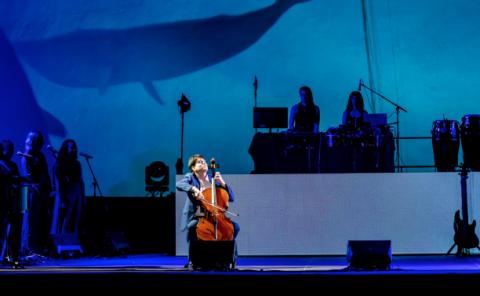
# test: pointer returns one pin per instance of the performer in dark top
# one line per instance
(10, 212)
(354, 115)
(305, 115)
(194, 183)
(70, 190)
(34, 167)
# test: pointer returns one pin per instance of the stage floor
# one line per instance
(153, 270)
(158, 263)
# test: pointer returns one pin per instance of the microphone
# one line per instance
(87, 156)
(360, 83)
(255, 82)
(24, 154)
(52, 150)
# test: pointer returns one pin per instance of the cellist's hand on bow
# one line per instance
(219, 179)
(197, 193)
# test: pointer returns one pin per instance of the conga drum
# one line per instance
(331, 137)
(446, 143)
(470, 137)
(23, 207)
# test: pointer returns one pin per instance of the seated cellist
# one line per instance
(194, 183)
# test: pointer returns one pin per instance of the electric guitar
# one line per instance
(465, 236)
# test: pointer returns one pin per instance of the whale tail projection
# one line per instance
(19, 110)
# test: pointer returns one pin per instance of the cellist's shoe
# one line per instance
(189, 266)
(17, 265)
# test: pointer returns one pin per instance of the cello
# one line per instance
(214, 225)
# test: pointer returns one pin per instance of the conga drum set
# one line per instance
(446, 138)
(471, 141)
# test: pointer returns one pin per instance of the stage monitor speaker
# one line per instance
(212, 255)
(67, 243)
(119, 241)
(369, 254)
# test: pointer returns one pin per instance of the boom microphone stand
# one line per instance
(397, 123)
(255, 88)
(113, 239)
(95, 182)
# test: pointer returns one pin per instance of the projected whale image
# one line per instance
(102, 58)
(19, 110)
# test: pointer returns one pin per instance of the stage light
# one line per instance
(156, 178)
(184, 104)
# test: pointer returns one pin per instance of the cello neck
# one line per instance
(214, 191)
(213, 167)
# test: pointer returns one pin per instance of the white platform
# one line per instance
(316, 214)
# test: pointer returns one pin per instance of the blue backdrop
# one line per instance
(108, 73)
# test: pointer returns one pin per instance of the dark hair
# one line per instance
(309, 94)
(37, 143)
(63, 152)
(6, 145)
(359, 102)
(192, 160)
(67, 166)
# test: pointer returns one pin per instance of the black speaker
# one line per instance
(67, 243)
(119, 241)
(212, 255)
(369, 254)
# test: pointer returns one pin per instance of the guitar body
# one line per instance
(465, 236)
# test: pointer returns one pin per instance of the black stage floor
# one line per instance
(153, 271)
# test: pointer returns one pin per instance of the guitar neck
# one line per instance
(464, 199)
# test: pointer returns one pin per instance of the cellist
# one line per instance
(193, 183)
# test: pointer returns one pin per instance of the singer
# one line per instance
(10, 213)
(35, 168)
(70, 190)
(305, 115)
(354, 116)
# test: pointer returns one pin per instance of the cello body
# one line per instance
(214, 225)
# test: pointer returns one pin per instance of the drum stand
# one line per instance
(312, 147)
(398, 108)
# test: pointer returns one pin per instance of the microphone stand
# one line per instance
(184, 106)
(108, 235)
(95, 182)
(255, 87)
(179, 163)
(398, 108)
